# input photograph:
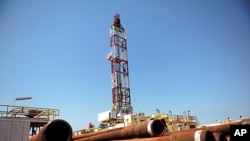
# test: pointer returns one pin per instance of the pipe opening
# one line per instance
(158, 128)
(58, 130)
(207, 136)
(220, 137)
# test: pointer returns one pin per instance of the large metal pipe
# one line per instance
(191, 135)
(219, 137)
(76, 137)
(151, 128)
(57, 130)
(188, 135)
(225, 127)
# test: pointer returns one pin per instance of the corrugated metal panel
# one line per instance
(14, 130)
(5, 130)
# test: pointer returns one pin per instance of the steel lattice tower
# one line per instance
(119, 68)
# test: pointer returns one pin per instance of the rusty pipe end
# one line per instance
(219, 137)
(204, 135)
(58, 130)
(156, 128)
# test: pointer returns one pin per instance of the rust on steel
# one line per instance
(151, 128)
(219, 136)
(140, 132)
(76, 137)
(188, 135)
(56, 130)
(225, 127)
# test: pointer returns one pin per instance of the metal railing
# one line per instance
(183, 118)
(9, 111)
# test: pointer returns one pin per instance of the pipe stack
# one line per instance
(151, 128)
(225, 127)
(154, 131)
(188, 135)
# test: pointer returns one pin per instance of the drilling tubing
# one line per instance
(76, 137)
(219, 137)
(188, 135)
(152, 128)
(58, 129)
(224, 128)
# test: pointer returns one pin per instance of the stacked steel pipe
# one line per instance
(57, 130)
(225, 127)
(188, 135)
(140, 132)
(153, 130)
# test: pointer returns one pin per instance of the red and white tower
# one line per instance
(118, 57)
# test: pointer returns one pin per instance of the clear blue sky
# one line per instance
(183, 55)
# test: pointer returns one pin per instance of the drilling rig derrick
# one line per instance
(119, 68)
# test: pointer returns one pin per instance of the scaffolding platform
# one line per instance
(30, 118)
(30, 112)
